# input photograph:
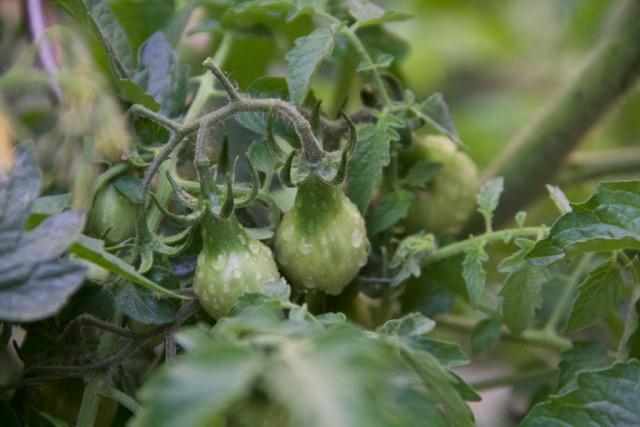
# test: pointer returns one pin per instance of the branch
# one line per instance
(534, 157)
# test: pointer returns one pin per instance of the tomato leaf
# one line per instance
(485, 334)
(371, 154)
(421, 173)
(559, 199)
(522, 293)
(436, 112)
(390, 210)
(605, 222)
(408, 326)
(368, 13)
(605, 398)
(597, 296)
(473, 273)
(304, 60)
(34, 283)
(97, 16)
(488, 198)
(583, 356)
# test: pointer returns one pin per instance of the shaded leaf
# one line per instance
(488, 198)
(436, 112)
(367, 161)
(485, 334)
(583, 356)
(421, 173)
(304, 60)
(522, 293)
(608, 221)
(408, 326)
(473, 273)
(597, 296)
(393, 207)
(142, 305)
(610, 397)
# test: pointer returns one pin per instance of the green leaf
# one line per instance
(408, 326)
(583, 356)
(485, 334)
(597, 296)
(393, 207)
(127, 186)
(473, 273)
(142, 305)
(34, 283)
(421, 173)
(365, 166)
(98, 18)
(263, 157)
(383, 61)
(43, 207)
(196, 390)
(160, 74)
(488, 198)
(134, 94)
(436, 112)
(605, 222)
(368, 13)
(304, 60)
(140, 19)
(93, 251)
(522, 293)
(610, 397)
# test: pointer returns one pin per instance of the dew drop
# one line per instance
(271, 277)
(326, 253)
(363, 259)
(254, 248)
(237, 274)
(258, 275)
(220, 262)
(287, 234)
(356, 239)
(242, 239)
(324, 240)
(305, 247)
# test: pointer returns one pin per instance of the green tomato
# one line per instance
(230, 264)
(321, 243)
(112, 216)
(450, 197)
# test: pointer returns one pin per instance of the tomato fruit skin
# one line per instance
(321, 243)
(230, 264)
(450, 197)
(114, 212)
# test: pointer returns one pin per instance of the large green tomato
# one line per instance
(321, 243)
(112, 216)
(450, 197)
(230, 264)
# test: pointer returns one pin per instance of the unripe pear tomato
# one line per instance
(450, 197)
(112, 216)
(321, 243)
(230, 264)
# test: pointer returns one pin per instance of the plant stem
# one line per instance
(539, 375)
(567, 293)
(533, 158)
(533, 337)
(459, 247)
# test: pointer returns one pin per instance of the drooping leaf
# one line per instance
(522, 293)
(160, 74)
(583, 356)
(597, 296)
(304, 60)
(488, 198)
(609, 397)
(34, 282)
(93, 251)
(98, 18)
(473, 273)
(485, 334)
(391, 209)
(367, 161)
(436, 112)
(605, 222)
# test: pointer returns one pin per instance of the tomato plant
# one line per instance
(252, 213)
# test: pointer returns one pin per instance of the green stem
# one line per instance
(460, 247)
(91, 397)
(534, 157)
(567, 293)
(527, 377)
(122, 398)
(533, 337)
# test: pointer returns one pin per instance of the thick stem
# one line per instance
(534, 157)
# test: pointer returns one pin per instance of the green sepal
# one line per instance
(183, 196)
(255, 185)
(285, 172)
(228, 206)
(184, 220)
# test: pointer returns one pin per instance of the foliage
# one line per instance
(282, 237)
